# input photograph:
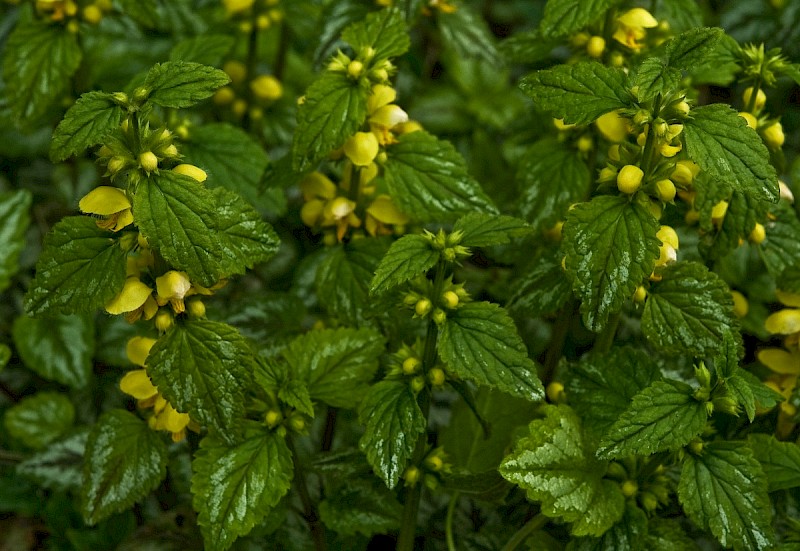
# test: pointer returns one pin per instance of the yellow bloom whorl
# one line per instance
(133, 295)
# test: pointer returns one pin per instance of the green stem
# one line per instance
(530, 527)
(355, 183)
(605, 339)
(448, 523)
(309, 511)
(557, 340)
(647, 153)
(330, 429)
(751, 104)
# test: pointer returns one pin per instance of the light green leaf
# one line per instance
(180, 84)
(393, 421)
(655, 77)
(14, 220)
(207, 49)
(611, 247)
(58, 348)
(554, 467)
(720, 141)
(336, 364)
(294, 393)
(85, 124)
(689, 310)
(58, 467)
(38, 61)
(125, 460)
(663, 416)
(38, 420)
(479, 342)
(562, 17)
(780, 461)
(429, 181)
(234, 487)
(542, 289)
(80, 269)
(384, 31)
(483, 230)
(361, 507)
(408, 257)
(691, 48)
(201, 368)
(468, 35)
(724, 490)
(578, 93)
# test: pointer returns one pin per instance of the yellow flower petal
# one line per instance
(613, 127)
(388, 116)
(785, 322)
(384, 210)
(780, 361)
(338, 209)
(317, 186)
(381, 95)
(311, 213)
(134, 294)
(789, 299)
(638, 18)
(362, 148)
(173, 285)
(172, 420)
(136, 383)
(104, 200)
(123, 219)
(192, 172)
(138, 348)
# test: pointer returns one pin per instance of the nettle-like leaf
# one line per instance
(428, 179)
(542, 289)
(384, 31)
(40, 419)
(207, 49)
(335, 364)
(479, 342)
(179, 84)
(392, 422)
(58, 348)
(780, 460)
(781, 249)
(85, 124)
(408, 257)
(60, 465)
(468, 35)
(360, 507)
(80, 269)
(483, 230)
(294, 393)
(751, 393)
(247, 239)
(663, 416)
(744, 211)
(14, 220)
(689, 310)
(234, 487)
(652, 77)
(739, 515)
(562, 17)
(667, 535)
(554, 467)
(720, 141)
(628, 533)
(201, 367)
(578, 93)
(611, 247)
(125, 461)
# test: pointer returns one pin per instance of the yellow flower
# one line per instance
(383, 115)
(362, 148)
(783, 322)
(237, 6)
(110, 204)
(133, 296)
(266, 88)
(138, 349)
(136, 383)
(317, 186)
(340, 213)
(613, 126)
(192, 172)
(173, 287)
(631, 27)
(169, 419)
(381, 214)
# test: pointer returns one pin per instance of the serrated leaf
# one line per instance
(468, 35)
(789, 280)
(742, 392)
(720, 141)
(628, 533)
(125, 460)
(780, 460)
(486, 486)
(384, 31)
(294, 393)
(663, 416)
(247, 239)
(724, 490)
(38, 61)
(689, 310)
(80, 269)
(542, 290)
(144, 12)
(57, 348)
(726, 358)
(335, 364)
(179, 84)
(85, 124)
(611, 247)
(483, 230)
(334, 109)
(201, 368)
(601, 386)
(234, 487)
(526, 47)
(563, 17)
(781, 249)
(207, 49)
(335, 17)
(428, 179)
(691, 48)
(681, 14)
(479, 342)
(392, 423)
(38, 420)
(408, 257)
(667, 535)
(361, 507)
(654, 77)
(59, 466)
(763, 396)
(578, 93)
(552, 465)
(14, 220)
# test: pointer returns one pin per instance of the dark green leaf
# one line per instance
(663, 416)
(680, 14)
(526, 47)
(468, 35)
(384, 31)
(789, 279)
(361, 507)
(80, 269)
(483, 230)
(40, 419)
(180, 84)
(628, 533)
(562, 17)
(125, 460)
(781, 249)
(393, 421)
(207, 49)
(744, 384)
(691, 48)
(726, 358)
(724, 490)
(294, 393)
(741, 391)
(667, 535)
(59, 467)
(408, 257)
(482, 486)
(335, 17)
(542, 290)
(144, 12)
(14, 220)
(234, 487)
(654, 77)
(780, 461)
(85, 124)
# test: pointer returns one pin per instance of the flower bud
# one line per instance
(684, 172)
(411, 476)
(439, 317)
(273, 418)
(666, 234)
(761, 98)
(115, 164)
(740, 304)
(92, 14)
(436, 376)
(449, 299)
(719, 210)
(751, 121)
(224, 96)
(773, 135)
(596, 46)
(170, 151)
(629, 179)
(786, 193)
(148, 161)
(640, 295)
(266, 88)
(758, 234)
(703, 375)
(196, 309)
(423, 307)
(629, 488)
(236, 70)
(666, 190)
(555, 392)
(411, 365)
(164, 321)
(417, 384)
(362, 148)
(681, 108)
(355, 68)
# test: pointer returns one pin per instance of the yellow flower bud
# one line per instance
(449, 299)
(436, 376)
(613, 127)
(115, 164)
(92, 14)
(640, 295)
(629, 488)
(411, 365)
(751, 121)
(266, 88)
(423, 307)
(263, 22)
(224, 96)
(719, 210)
(666, 234)
(761, 97)
(148, 161)
(311, 212)
(237, 6)
(362, 148)
(629, 179)
(773, 135)
(666, 190)
(164, 321)
(191, 171)
(236, 70)
(585, 144)
(355, 68)
(740, 305)
(138, 348)
(596, 46)
(784, 322)
(239, 107)
(272, 418)
(758, 234)
(555, 392)
(684, 172)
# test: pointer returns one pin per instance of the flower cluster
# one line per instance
(263, 13)
(68, 11)
(243, 96)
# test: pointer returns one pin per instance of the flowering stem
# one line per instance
(448, 524)
(605, 339)
(647, 152)
(309, 511)
(530, 527)
(751, 103)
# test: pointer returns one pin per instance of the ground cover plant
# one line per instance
(412, 274)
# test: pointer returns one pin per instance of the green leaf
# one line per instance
(483, 230)
(335, 17)
(80, 269)
(654, 77)
(392, 423)
(780, 460)
(207, 49)
(681, 14)
(334, 109)
(738, 514)
(554, 467)
(789, 279)
(38, 420)
(542, 290)
(179, 84)
(526, 47)
(384, 31)
(5, 355)
(744, 384)
(781, 249)
(601, 386)
(38, 61)
(201, 368)
(663, 416)
(720, 141)
(578, 93)
(58, 467)
(428, 179)
(408, 257)
(550, 177)
(234, 487)
(144, 12)
(58, 348)
(740, 390)
(562, 17)
(294, 393)
(667, 535)
(691, 48)
(611, 247)
(689, 310)
(14, 220)
(726, 358)
(468, 35)
(125, 460)
(479, 342)
(486, 486)
(361, 507)
(628, 533)
(336, 364)
(85, 124)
